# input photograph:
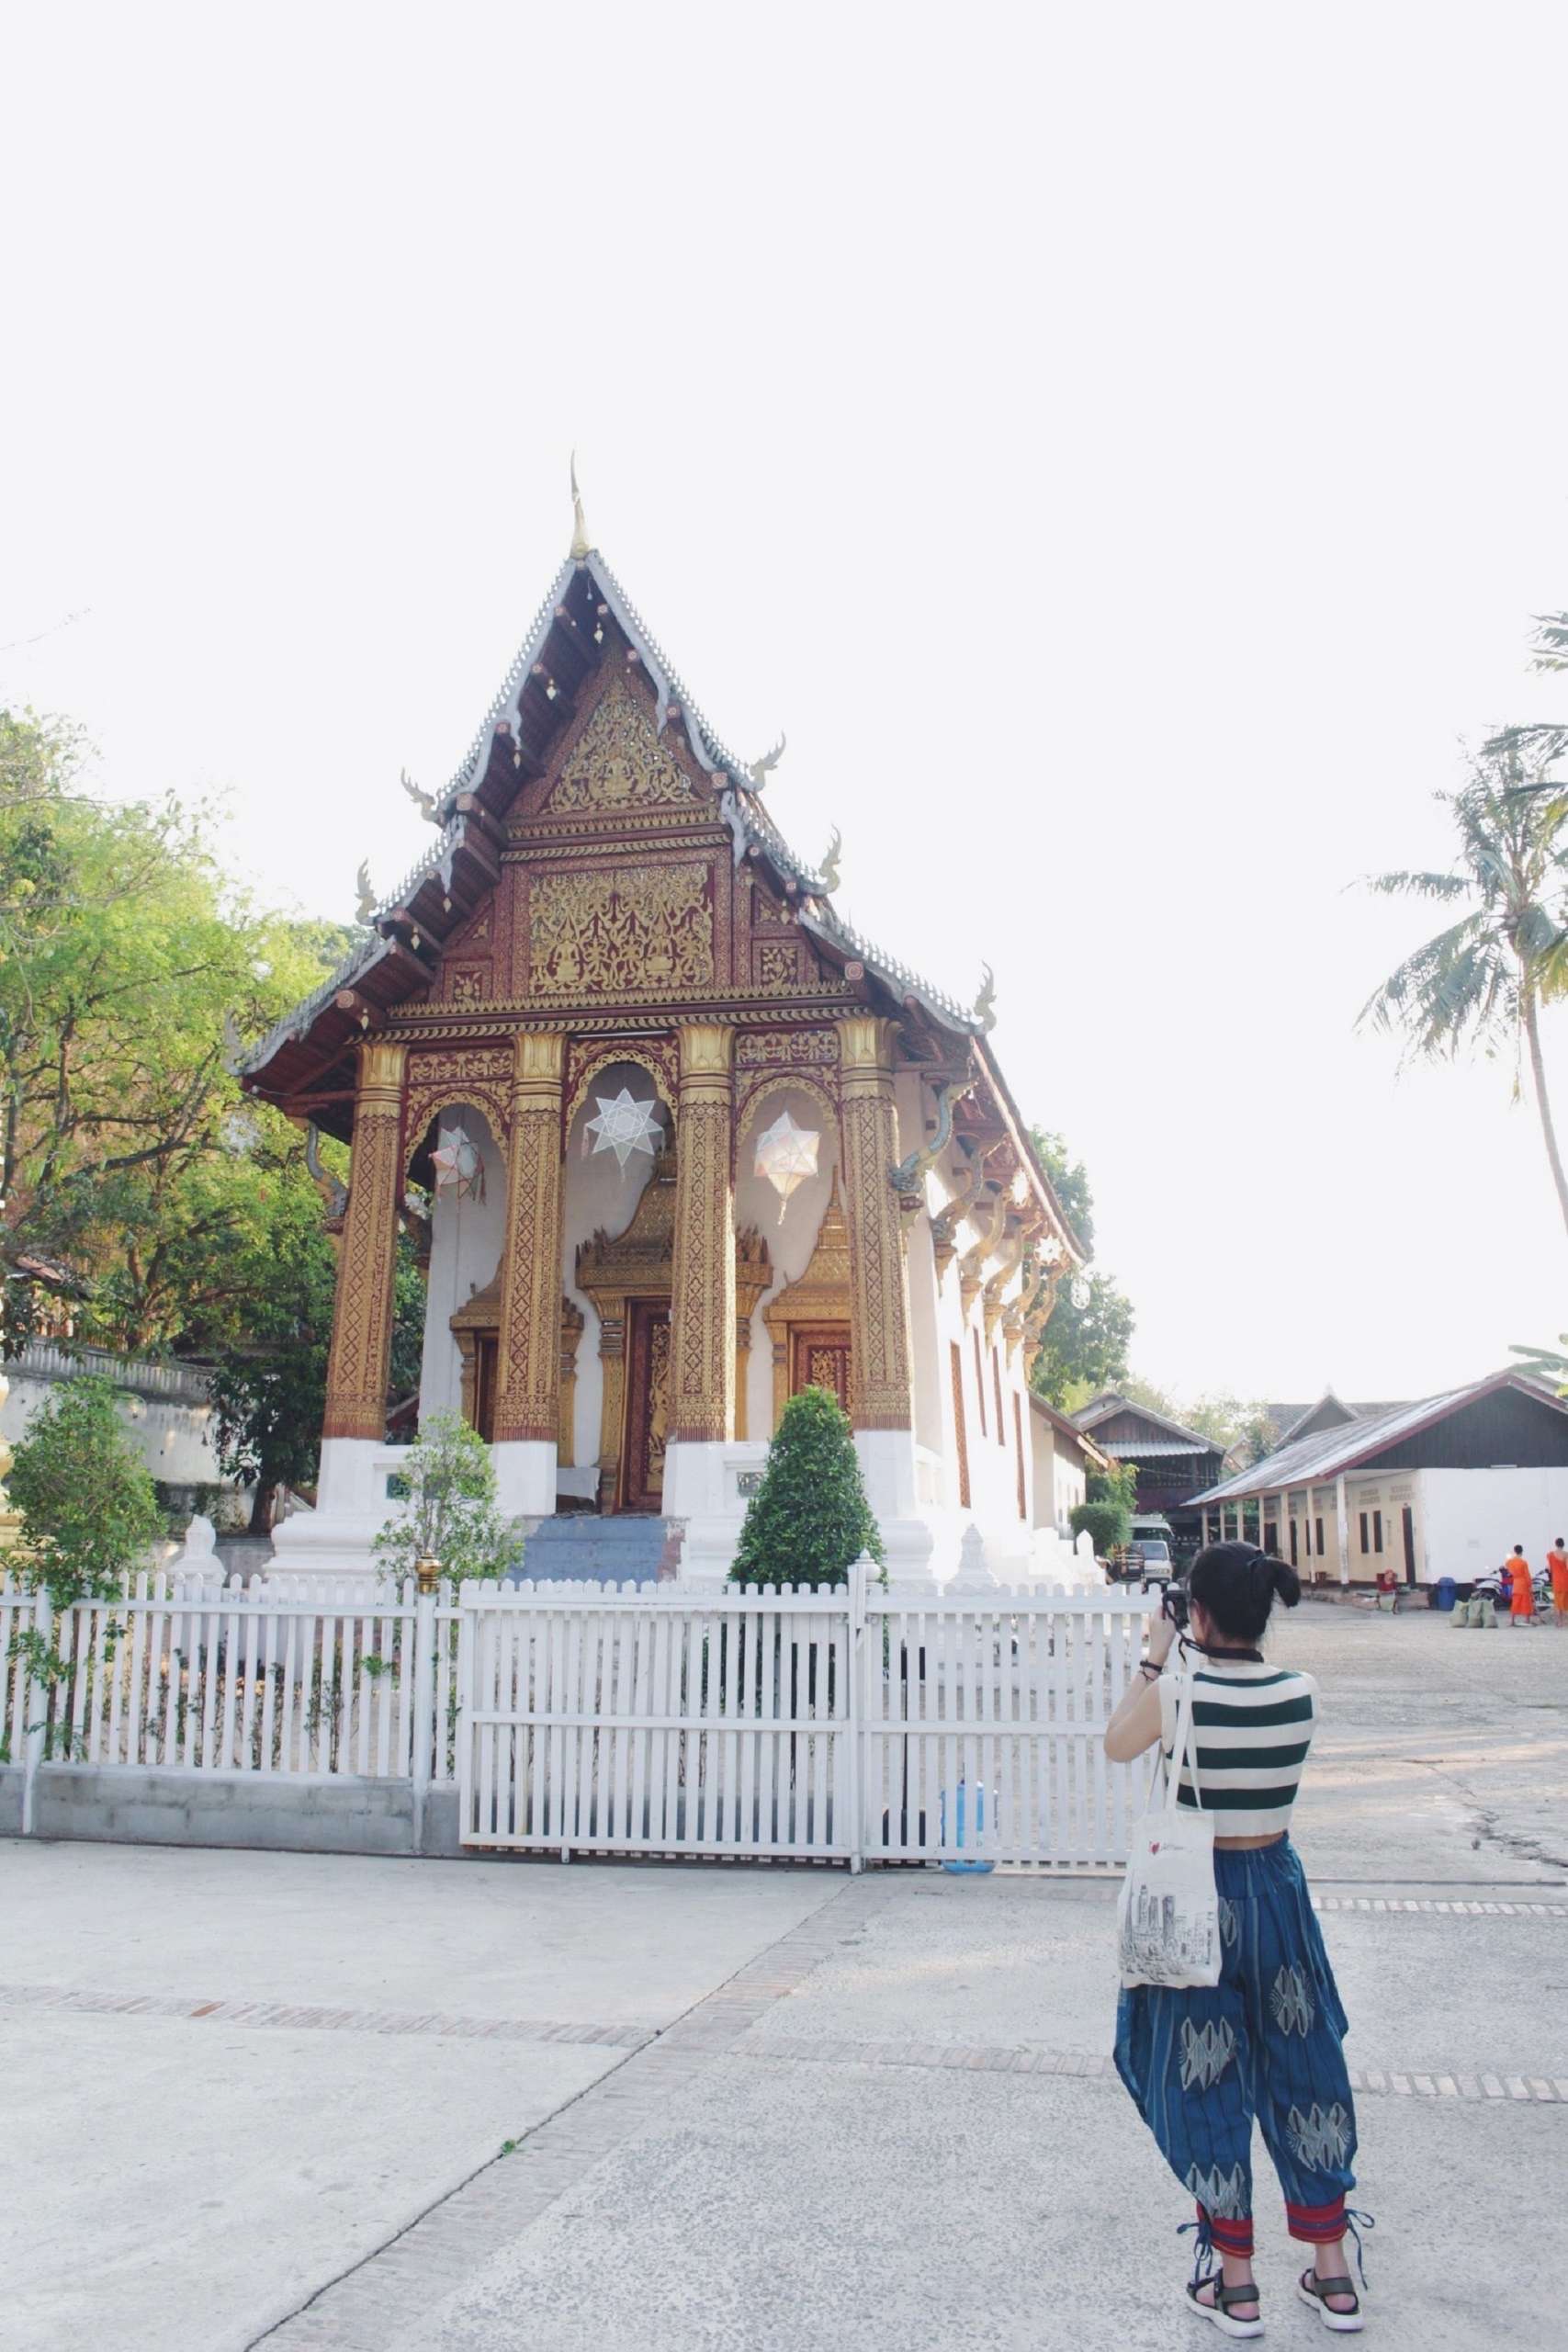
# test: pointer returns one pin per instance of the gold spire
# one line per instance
(580, 542)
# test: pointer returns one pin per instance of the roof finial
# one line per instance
(579, 527)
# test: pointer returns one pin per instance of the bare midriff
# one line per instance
(1243, 1845)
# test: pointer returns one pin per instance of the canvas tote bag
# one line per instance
(1169, 1925)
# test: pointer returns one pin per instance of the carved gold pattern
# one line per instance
(622, 931)
(411, 1021)
(880, 1321)
(815, 1047)
(824, 1294)
(777, 964)
(618, 761)
(702, 1303)
(528, 1365)
(359, 1360)
(441, 1081)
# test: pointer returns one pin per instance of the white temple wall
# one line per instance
(790, 1238)
(598, 1193)
(465, 1250)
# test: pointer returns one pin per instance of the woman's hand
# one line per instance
(1162, 1633)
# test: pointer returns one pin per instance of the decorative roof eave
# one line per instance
(1114, 1402)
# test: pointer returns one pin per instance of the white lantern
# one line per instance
(458, 1168)
(787, 1156)
(624, 1126)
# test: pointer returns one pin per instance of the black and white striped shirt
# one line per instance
(1252, 1725)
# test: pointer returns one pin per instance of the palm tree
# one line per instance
(1483, 978)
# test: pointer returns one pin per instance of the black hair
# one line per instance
(1237, 1585)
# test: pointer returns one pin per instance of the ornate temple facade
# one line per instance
(688, 1143)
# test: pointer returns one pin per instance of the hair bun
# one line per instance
(1286, 1582)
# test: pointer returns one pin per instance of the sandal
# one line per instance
(1218, 2312)
(1313, 2290)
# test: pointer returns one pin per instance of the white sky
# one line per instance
(1123, 445)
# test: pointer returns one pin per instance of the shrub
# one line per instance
(449, 1511)
(809, 1518)
(88, 1508)
(1108, 1525)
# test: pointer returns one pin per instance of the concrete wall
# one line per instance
(163, 1409)
(1471, 1519)
(325, 1814)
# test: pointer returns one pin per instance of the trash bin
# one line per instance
(1446, 1588)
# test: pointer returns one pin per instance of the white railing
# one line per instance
(847, 1724)
(286, 1675)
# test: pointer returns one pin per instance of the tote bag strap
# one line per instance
(1184, 1748)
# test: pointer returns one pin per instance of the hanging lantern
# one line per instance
(459, 1170)
(624, 1126)
(787, 1156)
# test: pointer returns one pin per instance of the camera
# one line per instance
(1176, 1604)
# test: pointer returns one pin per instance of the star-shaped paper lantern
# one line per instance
(787, 1156)
(458, 1168)
(624, 1126)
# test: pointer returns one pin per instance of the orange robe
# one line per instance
(1557, 1568)
(1523, 1603)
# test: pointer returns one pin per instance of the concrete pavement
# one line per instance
(813, 2111)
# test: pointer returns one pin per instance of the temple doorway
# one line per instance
(647, 1405)
(820, 1359)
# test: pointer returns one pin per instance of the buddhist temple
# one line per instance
(680, 1141)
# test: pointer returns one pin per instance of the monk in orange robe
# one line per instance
(1522, 1607)
(1556, 1569)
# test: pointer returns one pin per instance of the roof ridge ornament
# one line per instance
(828, 869)
(581, 543)
(986, 1002)
(423, 802)
(759, 770)
(366, 906)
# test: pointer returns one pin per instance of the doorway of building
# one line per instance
(647, 1405)
(1408, 1519)
(819, 1358)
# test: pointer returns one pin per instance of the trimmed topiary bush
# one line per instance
(1108, 1525)
(809, 1519)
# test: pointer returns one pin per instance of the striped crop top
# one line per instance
(1252, 1724)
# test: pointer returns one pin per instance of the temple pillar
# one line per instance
(359, 1361)
(702, 1299)
(527, 1403)
(879, 1307)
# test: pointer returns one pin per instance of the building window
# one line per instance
(1317, 1540)
(1366, 1543)
(980, 1382)
(1376, 1531)
(997, 1385)
(959, 1439)
(1292, 1543)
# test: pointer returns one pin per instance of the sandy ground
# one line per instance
(766, 2108)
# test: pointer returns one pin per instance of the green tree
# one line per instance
(130, 973)
(1118, 1485)
(809, 1519)
(1108, 1525)
(1480, 982)
(1084, 1344)
(449, 1511)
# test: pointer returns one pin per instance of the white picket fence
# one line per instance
(285, 1675)
(852, 1725)
(843, 1726)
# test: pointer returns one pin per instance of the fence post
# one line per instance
(860, 1570)
(36, 1714)
(427, 1573)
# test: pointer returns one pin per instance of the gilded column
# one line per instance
(528, 1365)
(359, 1363)
(879, 1326)
(702, 1302)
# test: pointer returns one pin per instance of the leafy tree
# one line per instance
(1118, 1485)
(129, 972)
(1108, 1525)
(1480, 982)
(809, 1519)
(1085, 1343)
(449, 1513)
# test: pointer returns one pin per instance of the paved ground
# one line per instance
(770, 2109)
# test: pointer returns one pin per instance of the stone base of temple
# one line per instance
(351, 1506)
(525, 1478)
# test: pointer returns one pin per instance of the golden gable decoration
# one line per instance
(619, 930)
(619, 762)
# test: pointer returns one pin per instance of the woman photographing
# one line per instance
(1201, 2063)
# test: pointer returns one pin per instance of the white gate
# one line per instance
(847, 1724)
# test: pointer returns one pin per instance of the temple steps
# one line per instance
(581, 1547)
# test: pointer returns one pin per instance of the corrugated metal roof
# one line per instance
(1100, 1409)
(1157, 1449)
(1328, 1451)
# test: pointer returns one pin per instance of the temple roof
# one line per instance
(522, 721)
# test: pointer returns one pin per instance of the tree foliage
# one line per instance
(1118, 1485)
(1085, 1346)
(1480, 982)
(133, 1171)
(1109, 1525)
(809, 1519)
(449, 1513)
(88, 1510)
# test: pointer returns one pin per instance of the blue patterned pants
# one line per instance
(1266, 2042)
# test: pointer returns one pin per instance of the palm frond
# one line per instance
(1550, 641)
(1419, 886)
